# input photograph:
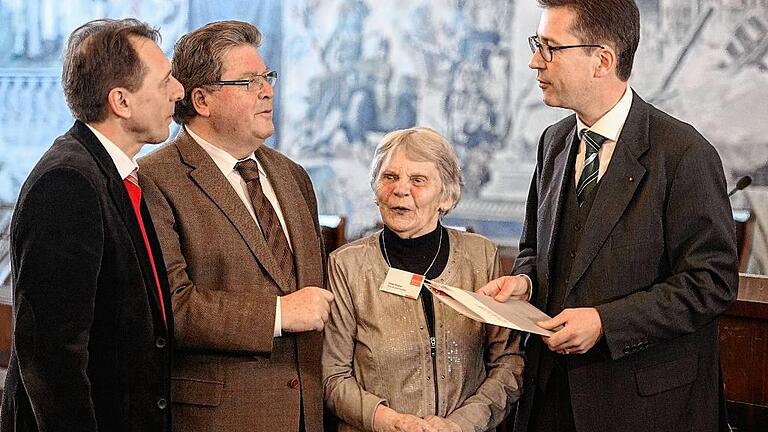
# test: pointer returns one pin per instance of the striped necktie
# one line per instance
(588, 178)
(267, 217)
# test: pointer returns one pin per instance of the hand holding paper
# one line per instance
(514, 314)
(516, 287)
(582, 328)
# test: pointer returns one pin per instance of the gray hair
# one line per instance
(422, 144)
(198, 56)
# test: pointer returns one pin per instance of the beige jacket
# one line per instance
(230, 373)
(376, 347)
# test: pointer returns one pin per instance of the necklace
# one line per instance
(439, 245)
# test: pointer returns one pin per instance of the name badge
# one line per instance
(402, 283)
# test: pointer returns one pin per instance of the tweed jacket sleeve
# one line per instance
(209, 315)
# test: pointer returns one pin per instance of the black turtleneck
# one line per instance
(414, 255)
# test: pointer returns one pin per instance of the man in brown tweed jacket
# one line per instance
(246, 287)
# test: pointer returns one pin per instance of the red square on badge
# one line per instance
(416, 280)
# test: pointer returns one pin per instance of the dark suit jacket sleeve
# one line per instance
(57, 246)
(701, 257)
(525, 263)
(207, 318)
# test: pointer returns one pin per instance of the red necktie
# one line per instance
(134, 192)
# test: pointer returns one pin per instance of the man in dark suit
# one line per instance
(628, 242)
(92, 318)
(237, 222)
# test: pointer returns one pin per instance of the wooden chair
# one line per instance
(332, 227)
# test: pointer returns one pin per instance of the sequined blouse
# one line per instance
(377, 349)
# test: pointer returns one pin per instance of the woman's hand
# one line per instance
(442, 425)
(385, 419)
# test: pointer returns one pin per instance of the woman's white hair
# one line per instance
(422, 144)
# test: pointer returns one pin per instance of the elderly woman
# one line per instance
(393, 363)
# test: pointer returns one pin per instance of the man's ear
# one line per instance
(607, 62)
(118, 100)
(199, 98)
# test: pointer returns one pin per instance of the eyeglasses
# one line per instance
(255, 83)
(547, 51)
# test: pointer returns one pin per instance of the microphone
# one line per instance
(741, 185)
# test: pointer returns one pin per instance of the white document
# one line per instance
(514, 314)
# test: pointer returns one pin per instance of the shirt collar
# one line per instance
(610, 124)
(125, 165)
(225, 161)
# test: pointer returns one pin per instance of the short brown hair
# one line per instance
(616, 22)
(198, 56)
(422, 144)
(99, 56)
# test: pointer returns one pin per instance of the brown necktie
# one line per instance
(268, 220)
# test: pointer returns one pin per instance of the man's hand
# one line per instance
(507, 287)
(441, 424)
(385, 419)
(305, 310)
(582, 328)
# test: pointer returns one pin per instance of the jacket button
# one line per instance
(293, 383)
(577, 227)
(162, 403)
(160, 342)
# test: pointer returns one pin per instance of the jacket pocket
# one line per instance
(197, 380)
(667, 376)
(196, 391)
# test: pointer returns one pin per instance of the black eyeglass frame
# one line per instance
(535, 44)
(269, 76)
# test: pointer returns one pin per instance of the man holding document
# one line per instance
(393, 358)
(628, 243)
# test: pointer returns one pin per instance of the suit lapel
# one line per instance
(615, 190)
(122, 201)
(162, 275)
(296, 212)
(555, 199)
(212, 182)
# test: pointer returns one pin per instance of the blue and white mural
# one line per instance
(351, 70)
(355, 69)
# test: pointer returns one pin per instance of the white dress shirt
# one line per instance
(226, 163)
(125, 165)
(609, 126)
